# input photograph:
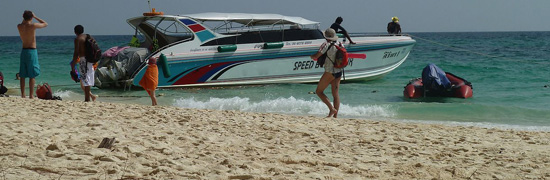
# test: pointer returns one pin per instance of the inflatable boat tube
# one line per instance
(414, 89)
(461, 88)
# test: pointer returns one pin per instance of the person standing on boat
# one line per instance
(331, 75)
(29, 67)
(339, 29)
(86, 69)
(393, 26)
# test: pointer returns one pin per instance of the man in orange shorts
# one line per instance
(150, 81)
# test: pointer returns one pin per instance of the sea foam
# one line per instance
(289, 105)
(63, 93)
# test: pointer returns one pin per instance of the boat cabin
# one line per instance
(213, 29)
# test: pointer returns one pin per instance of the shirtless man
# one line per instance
(29, 67)
(86, 69)
(339, 29)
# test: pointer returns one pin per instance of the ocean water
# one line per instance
(510, 73)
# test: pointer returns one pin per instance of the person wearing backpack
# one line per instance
(86, 69)
(331, 75)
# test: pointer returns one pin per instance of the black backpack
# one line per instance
(93, 53)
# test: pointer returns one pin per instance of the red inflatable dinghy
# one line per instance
(460, 88)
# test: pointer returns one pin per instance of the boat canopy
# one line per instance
(252, 19)
(168, 29)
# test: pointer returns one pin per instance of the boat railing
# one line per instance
(228, 27)
(375, 35)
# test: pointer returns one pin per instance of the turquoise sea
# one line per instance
(510, 73)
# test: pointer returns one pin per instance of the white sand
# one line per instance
(42, 139)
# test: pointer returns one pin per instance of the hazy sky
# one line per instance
(108, 17)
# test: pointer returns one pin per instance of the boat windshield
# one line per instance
(164, 30)
(244, 32)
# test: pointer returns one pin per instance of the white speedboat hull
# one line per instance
(222, 49)
(290, 64)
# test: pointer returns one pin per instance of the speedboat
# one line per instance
(225, 49)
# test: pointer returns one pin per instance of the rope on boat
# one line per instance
(458, 48)
(441, 44)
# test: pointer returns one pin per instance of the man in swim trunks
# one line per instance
(29, 67)
(332, 75)
(86, 69)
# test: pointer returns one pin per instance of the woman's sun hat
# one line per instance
(330, 34)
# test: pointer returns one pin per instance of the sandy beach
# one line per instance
(43, 139)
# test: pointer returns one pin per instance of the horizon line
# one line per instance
(350, 33)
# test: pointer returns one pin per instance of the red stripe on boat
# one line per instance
(194, 76)
(196, 28)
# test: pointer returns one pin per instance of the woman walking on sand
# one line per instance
(150, 81)
(331, 75)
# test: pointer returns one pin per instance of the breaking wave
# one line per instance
(288, 105)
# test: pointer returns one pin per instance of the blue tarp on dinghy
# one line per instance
(434, 79)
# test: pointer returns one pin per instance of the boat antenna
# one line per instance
(149, 2)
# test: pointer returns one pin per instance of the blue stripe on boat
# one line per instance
(188, 21)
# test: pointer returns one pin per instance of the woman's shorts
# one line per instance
(337, 75)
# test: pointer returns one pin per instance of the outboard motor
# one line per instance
(115, 71)
(435, 81)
